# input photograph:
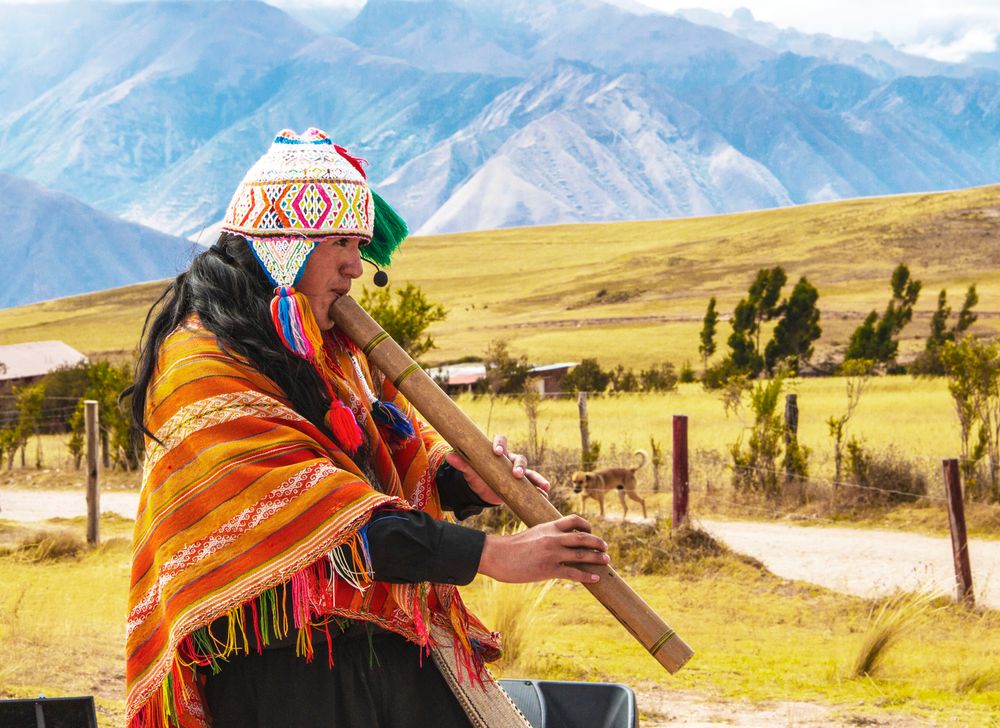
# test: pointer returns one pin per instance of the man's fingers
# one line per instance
(500, 444)
(583, 577)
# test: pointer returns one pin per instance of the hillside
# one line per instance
(636, 292)
(54, 245)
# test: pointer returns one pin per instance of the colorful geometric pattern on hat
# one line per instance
(283, 258)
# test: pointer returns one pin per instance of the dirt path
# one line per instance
(858, 561)
(865, 562)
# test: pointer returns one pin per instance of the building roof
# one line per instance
(19, 361)
(464, 374)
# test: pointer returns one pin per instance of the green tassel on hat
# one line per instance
(388, 233)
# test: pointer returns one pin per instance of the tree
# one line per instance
(797, 329)
(405, 319)
(760, 305)
(877, 338)
(930, 362)
(587, 376)
(973, 371)
(504, 373)
(707, 346)
(29, 411)
(858, 373)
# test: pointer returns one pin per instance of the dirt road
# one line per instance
(852, 560)
(865, 562)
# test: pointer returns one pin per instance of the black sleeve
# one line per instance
(410, 546)
(456, 495)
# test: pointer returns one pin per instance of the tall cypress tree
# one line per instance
(797, 329)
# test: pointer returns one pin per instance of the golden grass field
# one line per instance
(541, 288)
(756, 637)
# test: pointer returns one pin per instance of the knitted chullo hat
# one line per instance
(304, 188)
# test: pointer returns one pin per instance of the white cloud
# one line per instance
(932, 26)
(974, 40)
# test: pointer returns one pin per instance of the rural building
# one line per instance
(22, 364)
(455, 378)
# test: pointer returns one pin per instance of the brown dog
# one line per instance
(598, 483)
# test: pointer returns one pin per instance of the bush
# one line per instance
(659, 378)
(587, 376)
(884, 477)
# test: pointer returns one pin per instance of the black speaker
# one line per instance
(558, 704)
(48, 713)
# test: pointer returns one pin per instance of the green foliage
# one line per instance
(760, 305)
(106, 385)
(858, 373)
(405, 316)
(587, 376)
(504, 373)
(29, 410)
(687, 375)
(973, 371)
(929, 361)
(755, 465)
(796, 331)
(624, 380)
(707, 346)
(659, 378)
(592, 456)
(877, 339)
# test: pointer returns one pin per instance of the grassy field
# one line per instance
(635, 292)
(756, 637)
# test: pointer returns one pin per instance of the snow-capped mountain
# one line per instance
(477, 114)
(53, 245)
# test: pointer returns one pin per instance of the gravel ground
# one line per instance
(866, 562)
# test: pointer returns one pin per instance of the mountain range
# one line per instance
(54, 245)
(478, 114)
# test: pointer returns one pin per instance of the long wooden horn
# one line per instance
(526, 502)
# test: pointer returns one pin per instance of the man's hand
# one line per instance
(520, 470)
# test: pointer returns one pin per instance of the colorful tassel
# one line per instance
(296, 325)
(390, 417)
(388, 233)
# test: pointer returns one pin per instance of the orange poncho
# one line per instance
(243, 498)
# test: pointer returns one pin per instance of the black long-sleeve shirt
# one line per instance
(410, 546)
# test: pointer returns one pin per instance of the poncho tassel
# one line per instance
(392, 420)
(296, 326)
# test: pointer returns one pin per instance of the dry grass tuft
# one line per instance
(653, 548)
(49, 546)
(978, 681)
(513, 611)
(887, 624)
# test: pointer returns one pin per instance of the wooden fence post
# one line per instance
(791, 426)
(93, 493)
(581, 403)
(959, 541)
(680, 510)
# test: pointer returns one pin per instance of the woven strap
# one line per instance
(487, 705)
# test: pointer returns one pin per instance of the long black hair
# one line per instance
(231, 294)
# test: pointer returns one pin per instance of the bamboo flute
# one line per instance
(523, 499)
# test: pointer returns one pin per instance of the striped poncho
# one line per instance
(243, 499)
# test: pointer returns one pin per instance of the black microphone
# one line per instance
(381, 278)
